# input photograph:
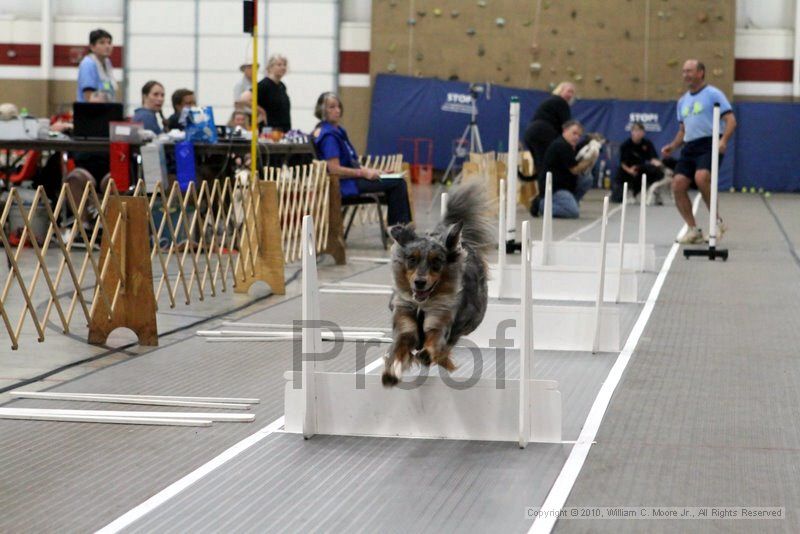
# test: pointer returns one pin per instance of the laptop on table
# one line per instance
(91, 119)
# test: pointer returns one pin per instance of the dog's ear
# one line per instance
(403, 233)
(453, 236)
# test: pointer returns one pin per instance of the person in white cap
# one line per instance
(245, 83)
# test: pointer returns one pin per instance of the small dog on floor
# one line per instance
(657, 191)
(440, 283)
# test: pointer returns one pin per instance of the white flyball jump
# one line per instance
(712, 252)
(639, 256)
(560, 282)
(520, 410)
(571, 327)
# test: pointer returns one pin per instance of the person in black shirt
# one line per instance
(545, 128)
(569, 181)
(181, 98)
(272, 95)
(637, 156)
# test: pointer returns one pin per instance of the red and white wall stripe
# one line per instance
(767, 49)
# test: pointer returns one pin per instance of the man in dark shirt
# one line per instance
(181, 98)
(272, 95)
(569, 183)
(637, 156)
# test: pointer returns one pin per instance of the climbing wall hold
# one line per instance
(470, 31)
(635, 79)
(578, 77)
(598, 79)
(681, 35)
(571, 51)
(527, 23)
(392, 47)
(481, 3)
(437, 12)
(536, 67)
(574, 14)
(500, 22)
(411, 21)
(672, 62)
(702, 17)
(420, 56)
(717, 72)
(391, 67)
(481, 50)
(554, 31)
(421, 13)
(455, 13)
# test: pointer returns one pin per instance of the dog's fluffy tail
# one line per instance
(469, 204)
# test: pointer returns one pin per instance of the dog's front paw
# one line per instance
(389, 380)
(447, 363)
(423, 357)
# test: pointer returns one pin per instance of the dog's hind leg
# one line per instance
(404, 334)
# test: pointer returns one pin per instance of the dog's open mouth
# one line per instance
(422, 295)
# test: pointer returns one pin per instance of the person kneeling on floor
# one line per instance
(570, 183)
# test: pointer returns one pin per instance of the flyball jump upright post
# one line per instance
(712, 252)
(511, 177)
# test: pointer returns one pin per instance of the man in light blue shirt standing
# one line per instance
(695, 115)
(96, 73)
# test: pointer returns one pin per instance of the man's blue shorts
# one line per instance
(695, 155)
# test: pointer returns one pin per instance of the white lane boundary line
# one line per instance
(591, 225)
(562, 487)
(178, 486)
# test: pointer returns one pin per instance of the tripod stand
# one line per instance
(470, 131)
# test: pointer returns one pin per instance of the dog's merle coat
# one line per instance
(440, 280)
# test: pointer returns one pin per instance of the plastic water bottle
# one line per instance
(607, 179)
(23, 113)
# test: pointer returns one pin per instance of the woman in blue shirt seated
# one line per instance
(333, 146)
(150, 113)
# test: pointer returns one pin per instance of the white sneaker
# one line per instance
(721, 229)
(692, 236)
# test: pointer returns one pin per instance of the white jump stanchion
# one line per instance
(547, 219)
(436, 408)
(712, 252)
(511, 175)
(621, 260)
(311, 336)
(526, 352)
(601, 278)
(501, 239)
(642, 223)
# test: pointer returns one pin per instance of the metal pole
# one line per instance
(254, 101)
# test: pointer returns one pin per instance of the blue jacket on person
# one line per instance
(148, 119)
(332, 142)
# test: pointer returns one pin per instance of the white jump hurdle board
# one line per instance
(572, 283)
(559, 328)
(520, 410)
(587, 254)
(433, 410)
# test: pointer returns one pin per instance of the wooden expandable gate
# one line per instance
(302, 190)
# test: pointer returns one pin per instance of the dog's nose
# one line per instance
(420, 284)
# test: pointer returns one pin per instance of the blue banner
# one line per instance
(407, 107)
